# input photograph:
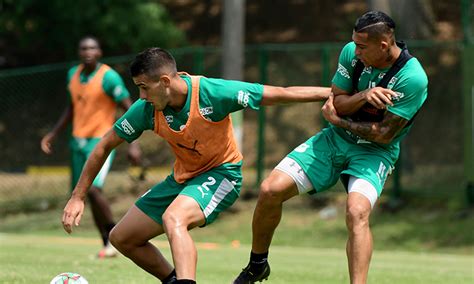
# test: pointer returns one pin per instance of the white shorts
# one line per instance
(294, 170)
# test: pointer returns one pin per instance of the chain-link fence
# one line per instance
(32, 99)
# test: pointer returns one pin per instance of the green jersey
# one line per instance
(217, 99)
(410, 84)
(112, 83)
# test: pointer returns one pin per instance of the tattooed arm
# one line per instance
(380, 132)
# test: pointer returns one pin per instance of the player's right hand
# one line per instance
(379, 97)
(46, 143)
(72, 213)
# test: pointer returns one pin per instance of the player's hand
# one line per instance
(330, 112)
(379, 97)
(72, 213)
(47, 143)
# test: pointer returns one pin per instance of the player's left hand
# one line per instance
(330, 112)
(72, 213)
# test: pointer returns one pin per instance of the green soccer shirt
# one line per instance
(217, 99)
(410, 84)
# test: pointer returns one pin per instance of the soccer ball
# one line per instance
(69, 278)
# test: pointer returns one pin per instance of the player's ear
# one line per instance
(165, 80)
(384, 45)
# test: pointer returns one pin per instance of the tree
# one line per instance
(38, 32)
(415, 18)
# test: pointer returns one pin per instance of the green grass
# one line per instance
(428, 241)
(38, 258)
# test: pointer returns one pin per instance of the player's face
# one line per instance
(370, 52)
(89, 51)
(153, 91)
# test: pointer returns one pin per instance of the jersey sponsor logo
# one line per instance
(343, 71)
(381, 75)
(392, 82)
(367, 70)
(117, 91)
(127, 127)
(169, 119)
(206, 111)
(193, 149)
(243, 98)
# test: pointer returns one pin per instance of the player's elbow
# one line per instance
(385, 136)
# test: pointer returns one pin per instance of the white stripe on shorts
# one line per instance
(224, 188)
(294, 170)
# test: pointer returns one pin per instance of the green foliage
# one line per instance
(52, 29)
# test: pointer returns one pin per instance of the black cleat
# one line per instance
(248, 277)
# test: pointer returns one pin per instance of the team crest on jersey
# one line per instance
(169, 119)
(381, 75)
(393, 81)
(353, 62)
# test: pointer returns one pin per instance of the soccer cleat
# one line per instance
(249, 277)
(108, 251)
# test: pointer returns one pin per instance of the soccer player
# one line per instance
(94, 91)
(377, 90)
(192, 114)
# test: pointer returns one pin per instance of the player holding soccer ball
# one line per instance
(95, 91)
(192, 114)
(377, 90)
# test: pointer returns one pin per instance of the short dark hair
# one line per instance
(153, 62)
(375, 23)
(90, 37)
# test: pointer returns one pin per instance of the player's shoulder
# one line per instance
(111, 73)
(72, 71)
(414, 73)
(347, 55)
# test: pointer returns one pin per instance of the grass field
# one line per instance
(37, 258)
(431, 240)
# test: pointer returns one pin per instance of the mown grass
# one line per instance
(429, 238)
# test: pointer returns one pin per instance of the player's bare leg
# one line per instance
(182, 215)
(131, 237)
(359, 244)
(101, 212)
(275, 189)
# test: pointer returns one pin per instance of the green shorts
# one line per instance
(214, 191)
(81, 148)
(327, 156)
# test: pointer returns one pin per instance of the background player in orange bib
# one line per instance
(95, 90)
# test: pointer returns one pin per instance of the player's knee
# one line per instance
(118, 240)
(357, 216)
(172, 220)
(114, 238)
(271, 191)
